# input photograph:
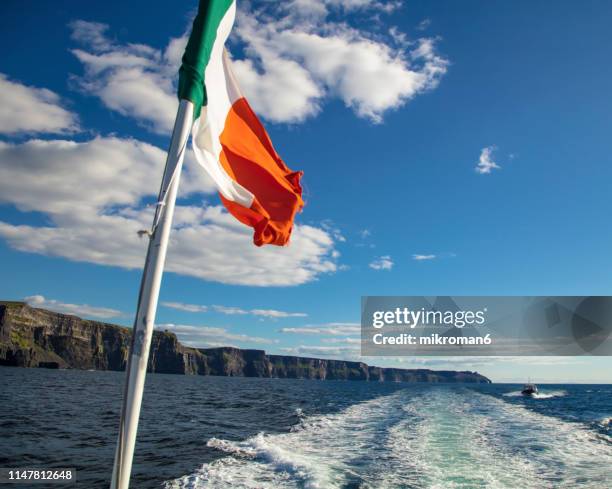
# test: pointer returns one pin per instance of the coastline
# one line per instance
(35, 338)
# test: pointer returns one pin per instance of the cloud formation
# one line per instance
(295, 58)
(485, 163)
(180, 306)
(32, 110)
(268, 313)
(382, 263)
(134, 80)
(83, 310)
(423, 25)
(272, 313)
(337, 339)
(95, 193)
(349, 352)
(418, 257)
(230, 310)
(328, 329)
(207, 336)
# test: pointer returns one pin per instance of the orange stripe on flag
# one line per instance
(250, 159)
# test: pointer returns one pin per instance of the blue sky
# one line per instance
(387, 107)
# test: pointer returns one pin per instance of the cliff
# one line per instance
(31, 337)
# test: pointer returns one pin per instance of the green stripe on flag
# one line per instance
(191, 74)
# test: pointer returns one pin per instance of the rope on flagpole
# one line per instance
(160, 204)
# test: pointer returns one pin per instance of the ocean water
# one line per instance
(219, 432)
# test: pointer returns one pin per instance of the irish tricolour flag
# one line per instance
(229, 141)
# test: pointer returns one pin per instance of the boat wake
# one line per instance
(451, 437)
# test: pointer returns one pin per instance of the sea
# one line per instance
(222, 432)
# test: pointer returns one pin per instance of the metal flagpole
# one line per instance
(147, 299)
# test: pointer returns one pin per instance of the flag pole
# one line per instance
(147, 299)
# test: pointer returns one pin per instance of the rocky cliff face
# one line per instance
(32, 337)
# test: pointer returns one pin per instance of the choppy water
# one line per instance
(263, 433)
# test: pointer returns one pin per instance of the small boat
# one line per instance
(529, 389)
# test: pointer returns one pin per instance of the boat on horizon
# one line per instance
(529, 389)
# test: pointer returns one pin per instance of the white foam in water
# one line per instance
(449, 438)
(467, 440)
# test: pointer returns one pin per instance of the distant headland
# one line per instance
(31, 337)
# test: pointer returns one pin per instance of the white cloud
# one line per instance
(365, 74)
(315, 9)
(68, 179)
(326, 58)
(332, 229)
(92, 194)
(281, 90)
(348, 341)
(340, 352)
(206, 336)
(135, 80)
(296, 58)
(321, 8)
(423, 257)
(267, 313)
(274, 314)
(212, 246)
(485, 162)
(423, 25)
(331, 329)
(180, 306)
(26, 109)
(339, 340)
(382, 263)
(91, 33)
(230, 310)
(76, 309)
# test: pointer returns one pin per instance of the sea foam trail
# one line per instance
(321, 452)
(444, 437)
(466, 440)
